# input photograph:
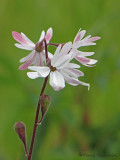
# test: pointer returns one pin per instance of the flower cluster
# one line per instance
(58, 66)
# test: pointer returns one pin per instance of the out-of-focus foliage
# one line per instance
(78, 121)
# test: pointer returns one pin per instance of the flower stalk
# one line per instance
(37, 112)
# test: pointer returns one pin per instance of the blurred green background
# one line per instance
(78, 121)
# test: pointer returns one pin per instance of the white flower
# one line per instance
(37, 56)
(79, 42)
(60, 69)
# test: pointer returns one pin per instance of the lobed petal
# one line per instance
(43, 71)
(73, 72)
(49, 35)
(17, 36)
(28, 41)
(42, 36)
(36, 61)
(84, 54)
(72, 65)
(57, 81)
(42, 58)
(26, 47)
(79, 36)
(33, 75)
(83, 43)
(27, 57)
(70, 80)
(93, 39)
(87, 41)
(86, 61)
(50, 55)
(66, 48)
(56, 55)
(25, 65)
(74, 81)
(93, 61)
(82, 60)
(62, 61)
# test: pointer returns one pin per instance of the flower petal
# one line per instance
(42, 36)
(25, 65)
(72, 65)
(61, 62)
(74, 81)
(79, 36)
(56, 55)
(17, 36)
(93, 61)
(26, 47)
(82, 60)
(73, 72)
(83, 43)
(42, 58)
(79, 53)
(43, 71)
(33, 75)
(87, 41)
(49, 35)
(66, 48)
(29, 56)
(70, 80)
(27, 40)
(50, 55)
(39, 59)
(86, 61)
(36, 61)
(57, 81)
(93, 39)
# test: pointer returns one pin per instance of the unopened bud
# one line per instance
(45, 103)
(21, 131)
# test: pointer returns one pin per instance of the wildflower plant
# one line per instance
(57, 67)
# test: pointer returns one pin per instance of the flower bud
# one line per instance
(21, 131)
(45, 103)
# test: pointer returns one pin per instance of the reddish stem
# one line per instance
(36, 120)
(37, 112)
(56, 44)
(46, 51)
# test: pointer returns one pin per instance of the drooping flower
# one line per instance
(60, 69)
(37, 56)
(78, 42)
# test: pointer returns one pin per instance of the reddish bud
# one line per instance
(21, 131)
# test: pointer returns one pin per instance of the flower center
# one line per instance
(39, 46)
(53, 68)
(50, 66)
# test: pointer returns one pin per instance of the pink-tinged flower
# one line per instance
(37, 56)
(60, 69)
(78, 42)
